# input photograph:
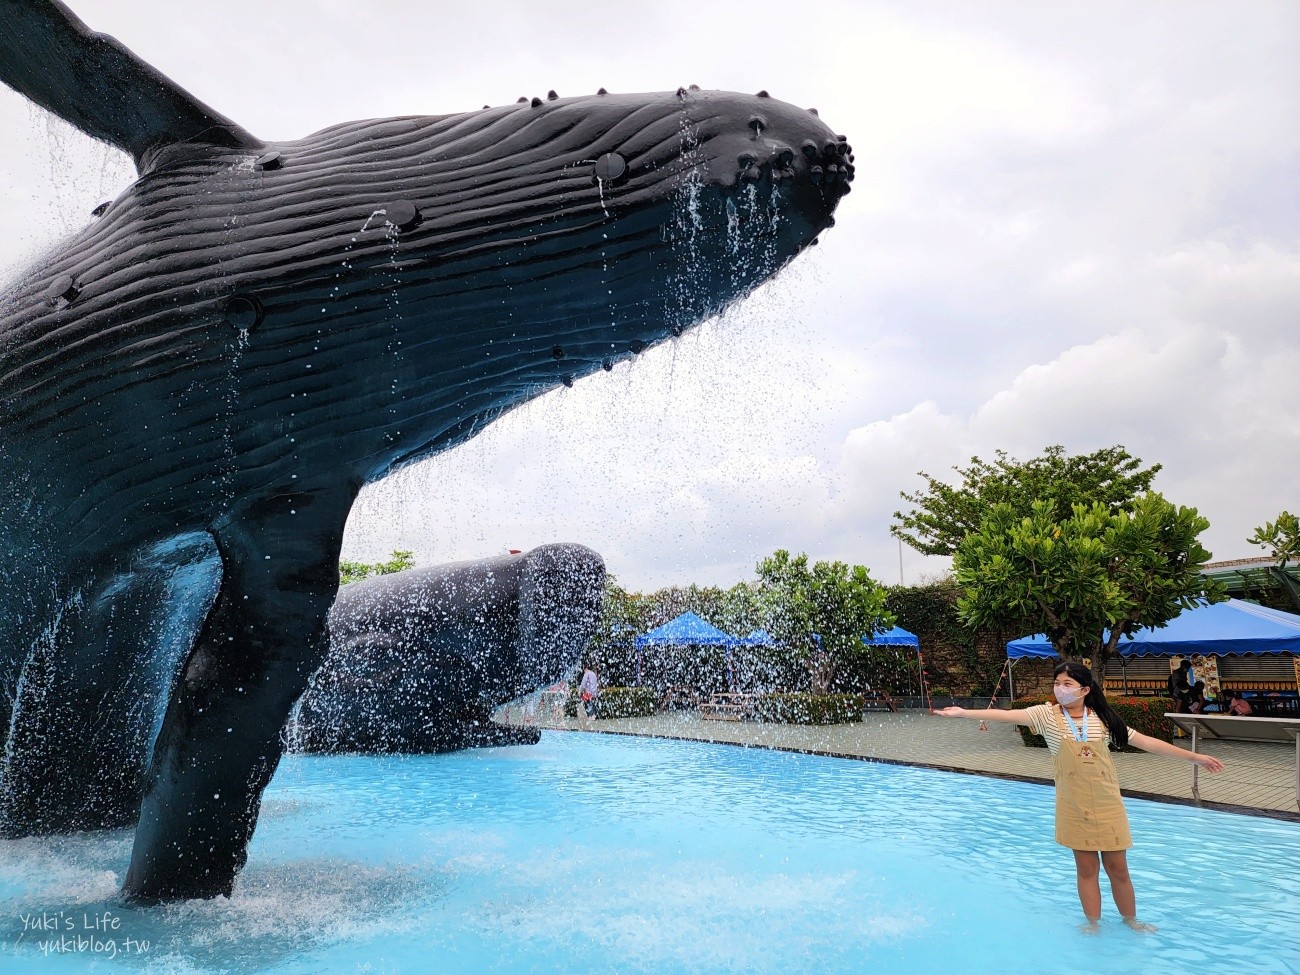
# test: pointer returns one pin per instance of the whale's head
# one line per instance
(378, 291)
(649, 212)
(549, 239)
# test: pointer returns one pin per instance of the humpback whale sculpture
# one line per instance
(417, 660)
(195, 386)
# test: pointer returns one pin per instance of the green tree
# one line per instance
(737, 610)
(1077, 578)
(356, 571)
(820, 612)
(1282, 536)
(622, 617)
(943, 514)
(742, 609)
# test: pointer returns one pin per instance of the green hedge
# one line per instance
(626, 702)
(618, 702)
(1144, 715)
(1030, 739)
(808, 708)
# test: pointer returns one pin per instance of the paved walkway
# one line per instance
(1259, 778)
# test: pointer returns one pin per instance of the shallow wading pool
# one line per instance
(593, 853)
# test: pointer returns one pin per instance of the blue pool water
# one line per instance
(600, 854)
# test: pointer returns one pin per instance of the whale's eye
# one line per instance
(402, 214)
(610, 167)
(243, 312)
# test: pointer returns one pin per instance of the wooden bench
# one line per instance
(1136, 687)
(1268, 698)
(726, 707)
(878, 701)
(679, 697)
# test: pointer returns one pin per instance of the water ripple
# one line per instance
(633, 855)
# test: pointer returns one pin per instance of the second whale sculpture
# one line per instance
(195, 386)
(419, 659)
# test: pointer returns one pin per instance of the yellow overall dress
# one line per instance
(1089, 812)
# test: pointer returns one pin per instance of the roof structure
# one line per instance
(895, 636)
(1251, 577)
(687, 630)
(1234, 626)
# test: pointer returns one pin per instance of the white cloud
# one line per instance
(1198, 403)
(1072, 223)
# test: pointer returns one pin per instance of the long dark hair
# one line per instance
(1095, 699)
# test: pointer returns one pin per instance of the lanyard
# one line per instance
(1080, 734)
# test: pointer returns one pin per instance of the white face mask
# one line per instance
(1066, 696)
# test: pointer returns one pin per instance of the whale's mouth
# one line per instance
(747, 149)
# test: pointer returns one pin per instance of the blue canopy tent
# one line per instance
(896, 636)
(687, 630)
(1220, 628)
(1031, 646)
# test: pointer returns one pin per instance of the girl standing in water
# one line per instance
(1090, 817)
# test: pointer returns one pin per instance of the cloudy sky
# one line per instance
(1075, 223)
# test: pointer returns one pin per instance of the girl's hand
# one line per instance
(1209, 763)
(953, 712)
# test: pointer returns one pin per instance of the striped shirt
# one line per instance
(1043, 722)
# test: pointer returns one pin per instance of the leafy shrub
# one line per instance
(625, 702)
(617, 702)
(808, 708)
(356, 571)
(1144, 715)
(1030, 739)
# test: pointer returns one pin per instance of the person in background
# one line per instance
(1238, 705)
(1180, 685)
(1090, 818)
(588, 689)
(1196, 698)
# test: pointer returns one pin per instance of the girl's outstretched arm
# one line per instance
(1158, 747)
(986, 714)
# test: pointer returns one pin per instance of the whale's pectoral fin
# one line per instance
(220, 741)
(91, 688)
(92, 81)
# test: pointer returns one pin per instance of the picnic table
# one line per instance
(873, 700)
(727, 707)
(1230, 726)
(679, 697)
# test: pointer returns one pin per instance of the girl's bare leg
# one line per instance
(1121, 888)
(1087, 870)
